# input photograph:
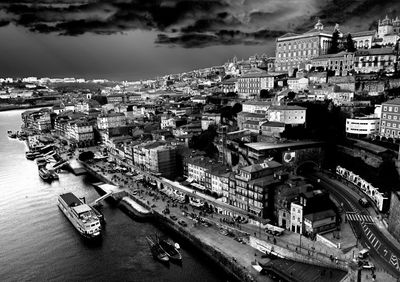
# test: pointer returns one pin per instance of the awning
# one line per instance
(198, 186)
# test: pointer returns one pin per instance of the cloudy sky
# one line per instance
(135, 39)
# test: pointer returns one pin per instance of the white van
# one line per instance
(363, 254)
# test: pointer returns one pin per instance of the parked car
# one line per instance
(224, 232)
(173, 217)
(182, 222)
(364, 202)
(366, 264)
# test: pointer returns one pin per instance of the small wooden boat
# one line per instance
(157, 252)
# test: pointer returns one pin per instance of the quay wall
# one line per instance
(234, 270)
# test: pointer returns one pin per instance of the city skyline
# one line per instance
(129, 40)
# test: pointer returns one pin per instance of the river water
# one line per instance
(37, 242)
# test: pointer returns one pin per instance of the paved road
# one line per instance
(381, 248)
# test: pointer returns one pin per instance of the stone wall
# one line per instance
(394, 216)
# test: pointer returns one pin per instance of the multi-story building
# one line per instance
(258, 107)
(293, 115)
(375, 60)
(37, 119)
(312, 213)
(243, 117)
(298, 84)
(341, 64)
(208, 119)
(80, 132)
(170, 121)
(157, 157)
(363, 39)
(362, 126)
(111, 120)
(252, 187)
(294, 50)
(390, 119)
(250, 84)
(387, 34)
(230, 85)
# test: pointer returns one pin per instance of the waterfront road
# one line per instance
(383, 251)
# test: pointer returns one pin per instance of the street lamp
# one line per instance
(397, 57)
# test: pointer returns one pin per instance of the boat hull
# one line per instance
(68, 214)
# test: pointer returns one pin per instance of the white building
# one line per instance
(111, 120)
(294, 115)
(296, 218)
(257, 107)
(362, 125)
(298, 84)
(80, 132)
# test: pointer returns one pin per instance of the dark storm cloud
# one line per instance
(187, 23)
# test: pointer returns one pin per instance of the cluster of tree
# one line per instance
(204, 142)
(338, 45)
(86, 156)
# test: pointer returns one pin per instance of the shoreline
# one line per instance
(13, 108)
(233, 269)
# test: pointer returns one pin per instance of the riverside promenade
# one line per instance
(239, 256)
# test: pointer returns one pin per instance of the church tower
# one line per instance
(385, 27)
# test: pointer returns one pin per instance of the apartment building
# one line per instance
(110, 120)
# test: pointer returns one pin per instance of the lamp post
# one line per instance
(397, 57)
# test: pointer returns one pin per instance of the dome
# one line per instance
(386, 21)
(319, 25)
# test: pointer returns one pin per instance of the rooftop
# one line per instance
(262, 166)
(395, 101)
(287, 108)
(259, 146)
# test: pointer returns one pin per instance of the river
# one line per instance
(37, 242)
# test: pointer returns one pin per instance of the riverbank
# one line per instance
(234, 252)
(25, 107)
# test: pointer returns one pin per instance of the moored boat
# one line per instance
(45, 174)
(31, 155)
(157, 252)
(169, 248)
(136, 208)
(81, 215)
(11, 134)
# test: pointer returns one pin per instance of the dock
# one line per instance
(77, 168)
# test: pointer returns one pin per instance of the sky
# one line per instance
(142, 39)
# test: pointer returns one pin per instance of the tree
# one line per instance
(291, 95)
(350, 43)
(334, 48)
(236, 109)
(86, 156)
(264, 94)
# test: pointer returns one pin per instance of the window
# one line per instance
(388, 124)
(384, 115)
(396, 109)
(389, 117)
(390, 109)
(384, 108)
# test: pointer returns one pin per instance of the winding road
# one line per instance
(369, 234)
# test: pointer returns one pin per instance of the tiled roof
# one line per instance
(395, 101)
(363, 33)
(287, 108)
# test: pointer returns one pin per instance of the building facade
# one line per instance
(294, 50)
(390, 119)
(294, 115)
(111, 120)
(362, 126)
(375, 60)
